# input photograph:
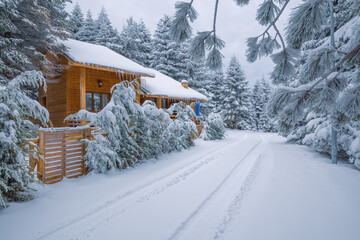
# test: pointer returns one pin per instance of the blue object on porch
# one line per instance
(197, 108)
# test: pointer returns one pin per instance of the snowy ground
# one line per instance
(248, 186)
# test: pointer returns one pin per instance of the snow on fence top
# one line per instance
(92, 54)
(166, 86)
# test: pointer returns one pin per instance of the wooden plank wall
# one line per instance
(109, 79)
(62, 154)
(56, 97)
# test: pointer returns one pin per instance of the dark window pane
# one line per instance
(89, 101)
(97, 102)
(154, 100)
(163, 103)
(105, 100)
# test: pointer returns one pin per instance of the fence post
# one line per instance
(32, 162)
(41, 164)
(64, 148)
(87, 135)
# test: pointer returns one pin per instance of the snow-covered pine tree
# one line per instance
(116, 119)
(198, 76)
(268, 124)
(27, 33)
(105, 34)
(87, 32)
(260, 98)
(257, 106)
(214, 127)
(180, 132)
(158, 121)
(100, 156)
(28, 30)
(165, 51)
(324, 92)
(236, 99)
(76, 20)
(216, 82)
(136, 42)
(15, 110)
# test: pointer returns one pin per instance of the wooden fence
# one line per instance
(61, 154)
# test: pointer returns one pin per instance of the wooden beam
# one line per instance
(83, 92)
(159, 102)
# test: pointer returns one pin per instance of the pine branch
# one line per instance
(277, 18)
(334, 68)
(280, 36)
(327, 74)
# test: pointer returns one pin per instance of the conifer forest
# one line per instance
(179, 119)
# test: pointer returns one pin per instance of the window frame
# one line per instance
(101, 100)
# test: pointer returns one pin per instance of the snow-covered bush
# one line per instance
(117, 120)
(15, 110)
(180, 133)
(99, 155)
(134, 132)
(213, 127)
(158, 121)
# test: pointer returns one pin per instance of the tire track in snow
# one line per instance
(203, 160)
(234, 208)
(114, 213)
(198, 209)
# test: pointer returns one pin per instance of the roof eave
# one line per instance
(104, 68)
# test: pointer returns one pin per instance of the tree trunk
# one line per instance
(235, 125)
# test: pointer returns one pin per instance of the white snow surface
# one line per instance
(166, 86)
(247, 186)
(92, 54)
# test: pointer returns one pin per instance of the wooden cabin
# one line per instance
(89, 73)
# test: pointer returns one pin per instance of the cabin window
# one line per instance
(154, 100)
(142, 100)
(96, 101)
(89, 101)
(164, 103)
(104, 100)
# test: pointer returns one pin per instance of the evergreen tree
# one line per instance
(116, 119)
(257, 105)
(323, 95)
(165, 51)
(179, 134)
(76, 20)
(158, 121)
(105, 34)
(216, 83)
(198, 76)
(15, 109)
(236, 101)
(28, 30)
(136, 42)
(214, 127)
(87, 32)
(27, 33)
(260, 99)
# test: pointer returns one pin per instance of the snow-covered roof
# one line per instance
(92, 54)
(163, 85)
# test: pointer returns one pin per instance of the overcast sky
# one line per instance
(235, 24)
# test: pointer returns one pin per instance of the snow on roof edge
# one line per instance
(102, 56)
(163, 85)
